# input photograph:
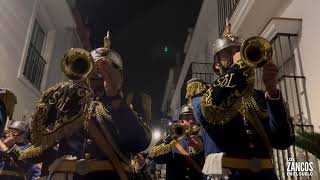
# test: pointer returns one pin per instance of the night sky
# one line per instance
(140, 31)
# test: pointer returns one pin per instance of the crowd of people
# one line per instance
(85, 129)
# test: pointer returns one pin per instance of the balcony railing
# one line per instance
(34, 66)
(225, 10)
(292, 84)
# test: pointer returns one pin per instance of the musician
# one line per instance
(244, 124)
(181, 150)
(141, 167)
(9, 169)
(83, 128)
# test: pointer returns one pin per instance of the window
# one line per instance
(34, 67)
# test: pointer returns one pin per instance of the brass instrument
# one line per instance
(256, 52)
(178, 130)
(77, 63)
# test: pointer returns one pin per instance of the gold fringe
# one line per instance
(223, 113)
(10, 100)
(44, 134)
(194, 88)
(161, 149)
(31, 152)
(102, 112)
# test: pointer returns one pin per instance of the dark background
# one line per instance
(140, 30)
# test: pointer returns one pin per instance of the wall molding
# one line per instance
(240, 13)
(278, 25)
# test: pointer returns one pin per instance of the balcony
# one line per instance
(248, 17)
(225, 10)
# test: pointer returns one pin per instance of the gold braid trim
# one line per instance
(52, 89)
(31, 152)
(59, 113)
(228, 109)
(161, 149)
(194, 88)
(241, 64)
(249, 106)
(102, 112)
(220, 115)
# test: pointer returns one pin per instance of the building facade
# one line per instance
(34, 36)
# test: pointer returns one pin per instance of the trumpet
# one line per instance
(256, 51)
(178, 130)
(77, 63)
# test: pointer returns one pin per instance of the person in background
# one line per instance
(11, 170)
(182, 149)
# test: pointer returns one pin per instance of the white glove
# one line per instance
(213, 167)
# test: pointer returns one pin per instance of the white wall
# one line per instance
(15, 19)
(205, 33)
(310, 48)
(16, 24)
(64, 40)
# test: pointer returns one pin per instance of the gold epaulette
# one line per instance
(249, 104)
(161, 149)
(195, 87)
(9, 99)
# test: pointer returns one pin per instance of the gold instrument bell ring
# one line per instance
(256, 51)
(77, 63)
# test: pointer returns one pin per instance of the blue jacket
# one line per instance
(31, 172)
(61, 108)
(128, 134)
(177, 166)
(242, 131)
(238, 139)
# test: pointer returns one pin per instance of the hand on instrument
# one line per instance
(112, 77)
(269, 77)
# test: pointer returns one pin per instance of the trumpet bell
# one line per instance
(256, 51)
(77, 63)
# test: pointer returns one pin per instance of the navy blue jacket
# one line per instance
(177, 166)
(33, 171)
(129, 134)
(127, 130)
(238, 139)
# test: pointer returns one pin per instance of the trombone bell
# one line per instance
(77, 63)
(256, 52)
